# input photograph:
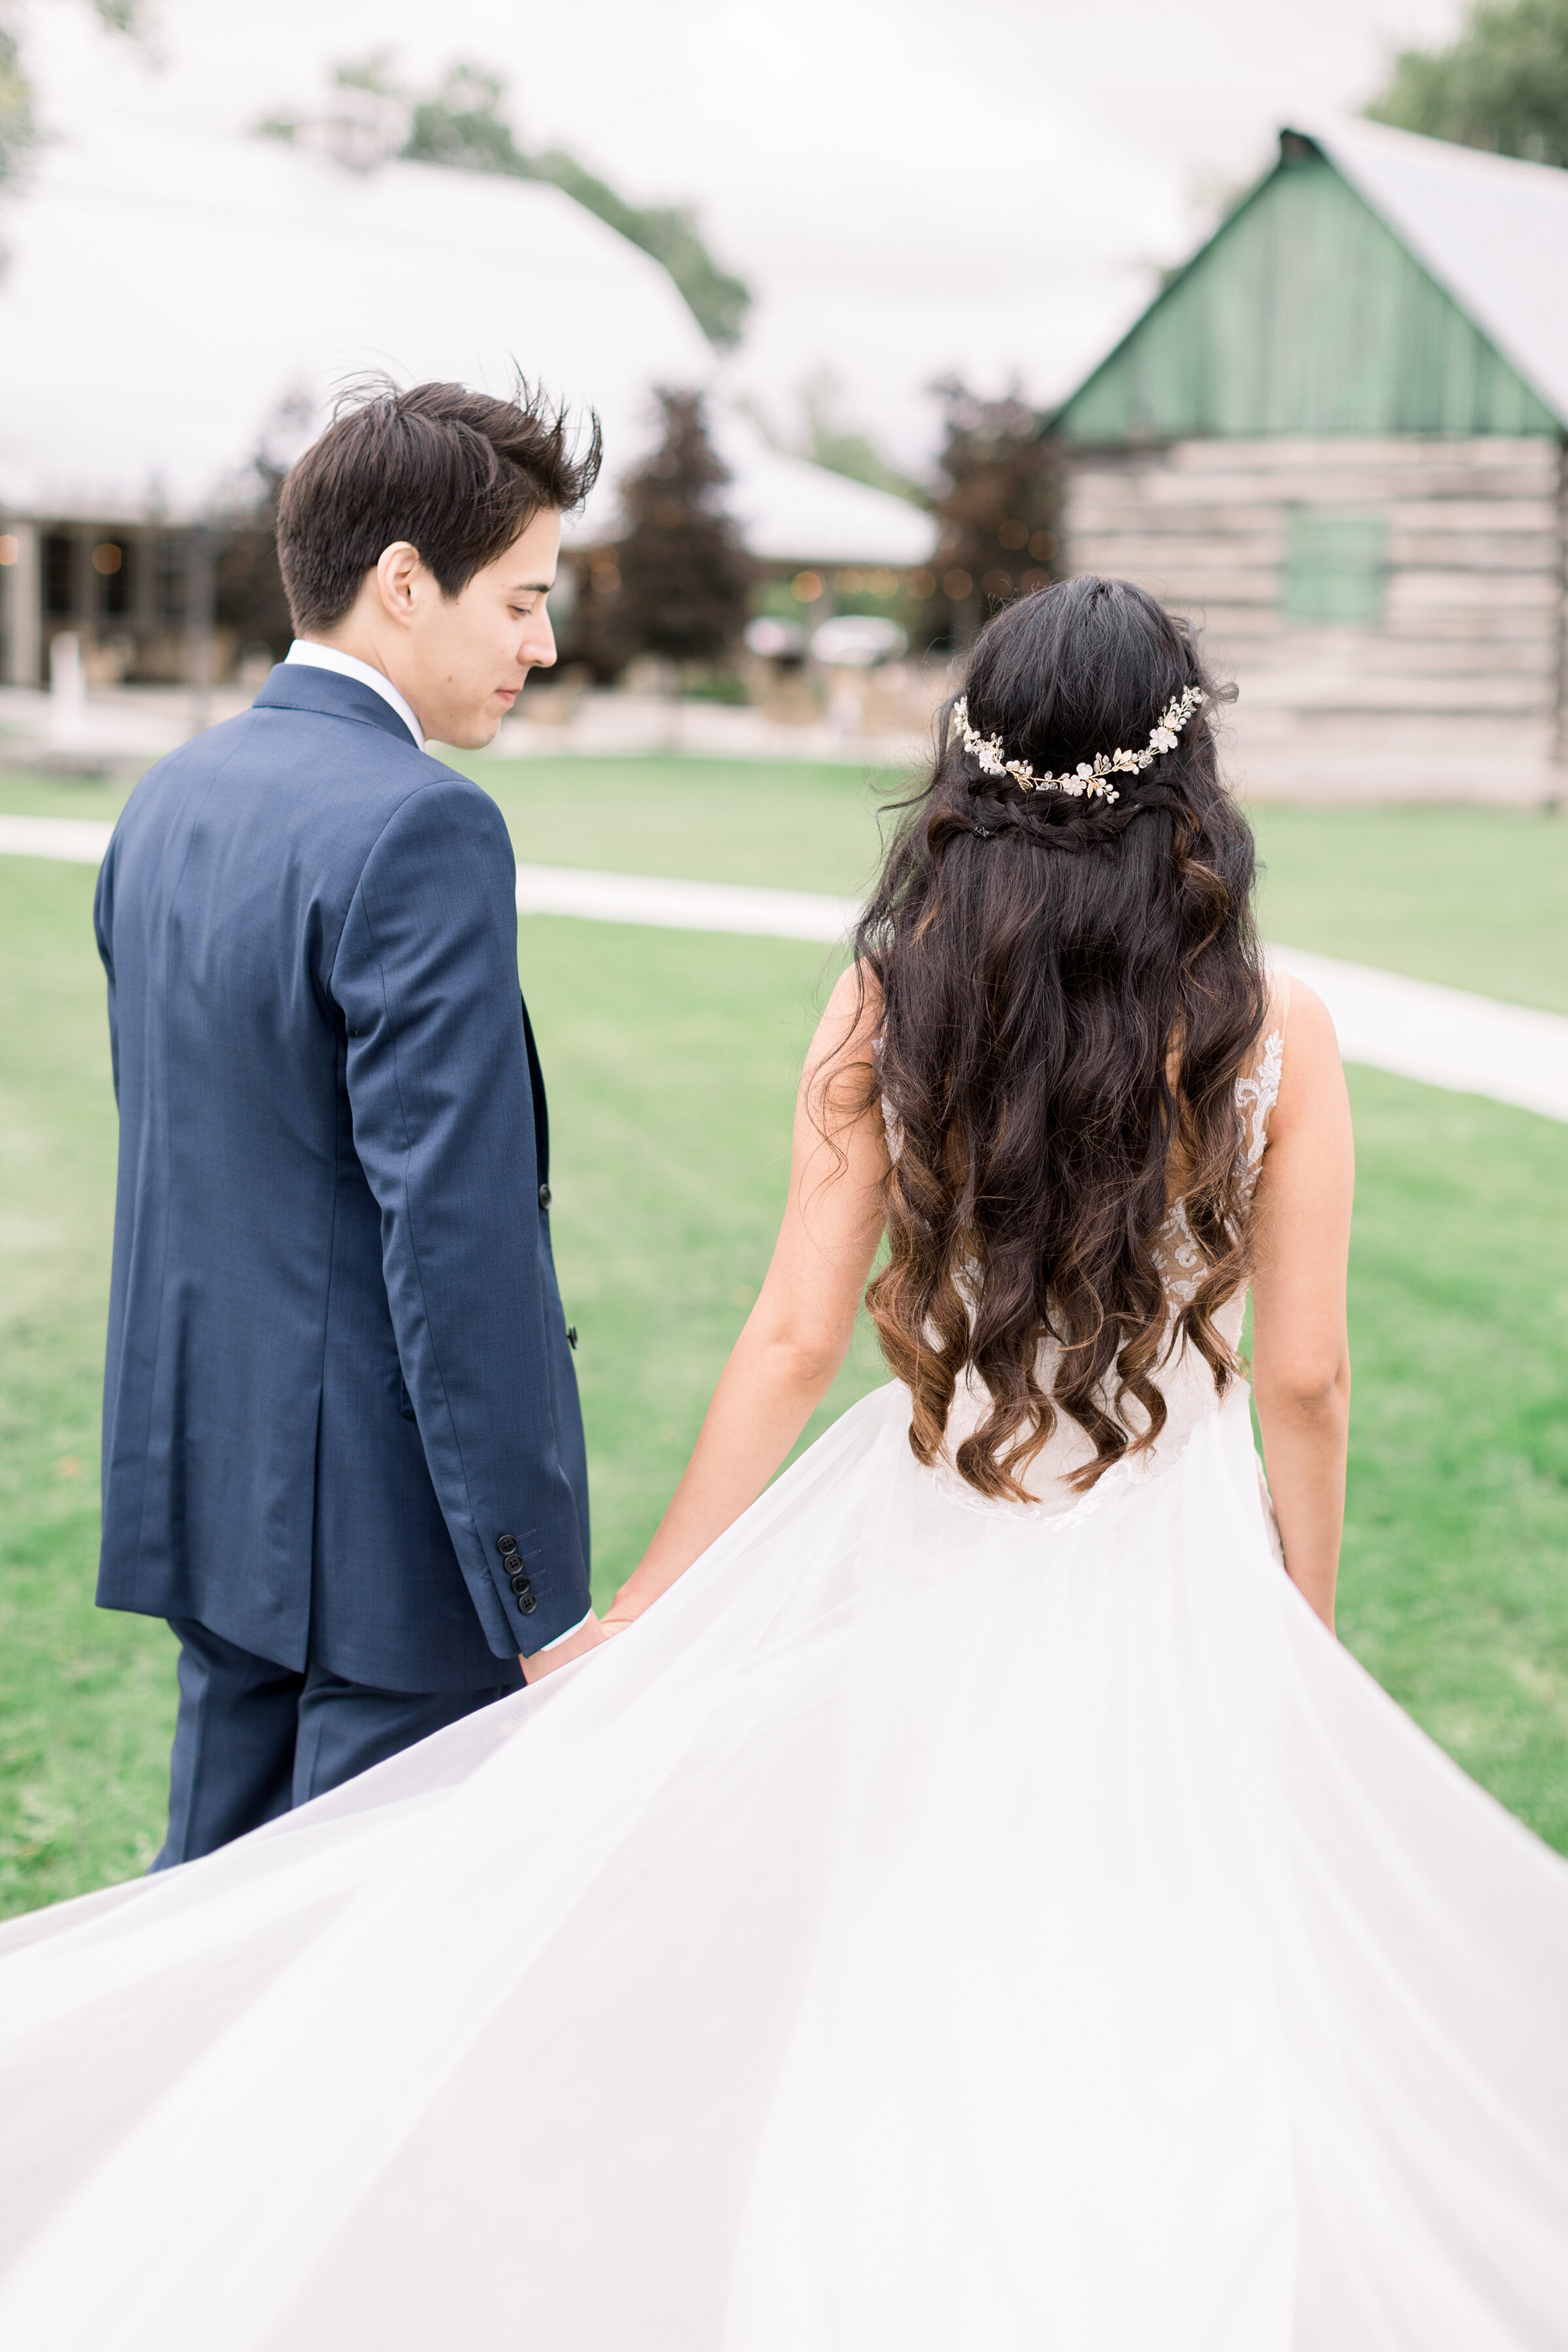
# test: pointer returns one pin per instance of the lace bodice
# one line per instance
(1184, 1381)
(1257, 1091)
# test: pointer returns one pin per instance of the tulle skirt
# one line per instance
(934, 1928)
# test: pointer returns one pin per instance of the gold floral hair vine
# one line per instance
(1090, 776)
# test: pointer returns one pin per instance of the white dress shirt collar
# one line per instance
(315, 657)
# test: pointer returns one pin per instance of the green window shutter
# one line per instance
(1334, 568)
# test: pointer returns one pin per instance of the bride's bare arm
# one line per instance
(795, 1336)
(1300, 1351)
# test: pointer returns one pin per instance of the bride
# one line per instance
(971, 1904)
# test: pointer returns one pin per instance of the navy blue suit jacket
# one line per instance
(337, 1371)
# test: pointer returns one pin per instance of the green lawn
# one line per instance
(700, 820)
(1454, 1579)
(85, 1699)
(671, 1060)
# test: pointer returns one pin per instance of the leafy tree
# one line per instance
(999, 502)
(17, 128)
(1502, 85)
(678, 584)
(831, 439)
(248, 585)
(717, 300)
(461, 125)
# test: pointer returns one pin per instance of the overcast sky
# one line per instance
(909, 188)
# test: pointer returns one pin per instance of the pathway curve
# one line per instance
(1443, 1036)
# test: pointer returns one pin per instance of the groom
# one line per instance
(343, 1453)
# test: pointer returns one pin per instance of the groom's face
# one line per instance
(470, 655)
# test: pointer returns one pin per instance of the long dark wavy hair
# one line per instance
(1069, 990)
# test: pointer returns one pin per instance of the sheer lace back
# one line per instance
(1257, 1092)
(1184, 1381)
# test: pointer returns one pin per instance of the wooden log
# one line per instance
(1530, 458)
(1191, 574)
(1325, 482)
(1408, 700)
(1529, 662)
(1473, 550)
(1464, 512)
(1412, 591)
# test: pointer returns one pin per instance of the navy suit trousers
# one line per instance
(253, 1739)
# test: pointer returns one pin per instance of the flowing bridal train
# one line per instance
(936, 1924)
(974, 1906)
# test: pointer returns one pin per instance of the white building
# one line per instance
(176, 300)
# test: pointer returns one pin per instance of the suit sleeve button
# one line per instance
(506, 1546)
(544, 1196)
(526, 1604)
(572, 1335)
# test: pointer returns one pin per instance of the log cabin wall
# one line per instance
(1336, 440)
(1449, 684)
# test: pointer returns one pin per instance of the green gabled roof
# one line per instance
(1307, 313)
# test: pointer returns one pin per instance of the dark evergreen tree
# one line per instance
(999, 501)
(248, 597)
(1502, 85)
(678, 584)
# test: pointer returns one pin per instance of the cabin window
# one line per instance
(1335, 566)
(58, 554)
(112, 559)
(169, 578)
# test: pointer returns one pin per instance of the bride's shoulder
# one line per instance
(859, 984)
(852, 1019)
(839, 1079)
(1301, 1042)
(1297, 1014)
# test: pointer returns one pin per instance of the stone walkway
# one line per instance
(682, 906)
(1443, 1036)
(79, 840)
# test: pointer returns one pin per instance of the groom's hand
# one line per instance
(588, 1637)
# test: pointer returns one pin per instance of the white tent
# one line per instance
(176, 299)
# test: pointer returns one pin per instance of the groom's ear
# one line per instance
(400, 577)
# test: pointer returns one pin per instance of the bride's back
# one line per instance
(1073, 1046)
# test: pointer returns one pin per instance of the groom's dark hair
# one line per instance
(455, 473)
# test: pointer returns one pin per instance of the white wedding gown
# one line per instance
(935, 1927)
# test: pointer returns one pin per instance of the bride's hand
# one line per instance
(624, 1610)
(589, 1636)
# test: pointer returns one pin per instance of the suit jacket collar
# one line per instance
(299, 686)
